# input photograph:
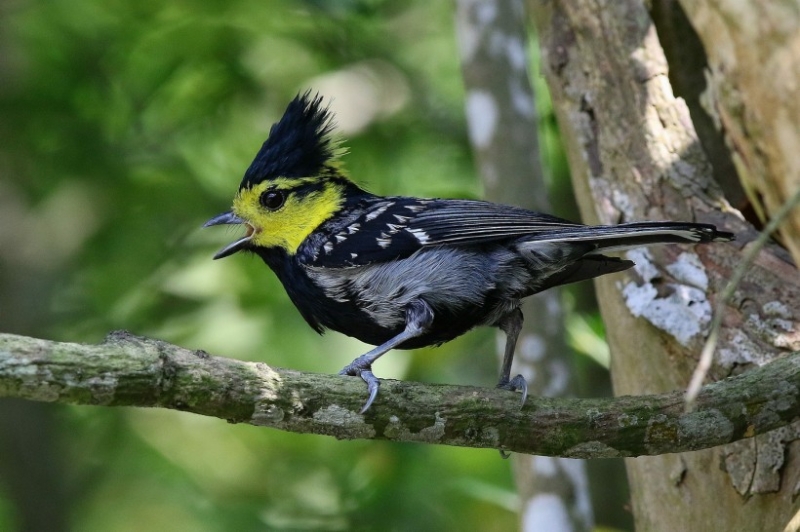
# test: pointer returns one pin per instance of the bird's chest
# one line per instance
(460, 286)
(328, 299)
(363, 295)
(464, 289)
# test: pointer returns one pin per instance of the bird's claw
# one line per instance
(373, 383)
(517, 383)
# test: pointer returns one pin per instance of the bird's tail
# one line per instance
(571, 254)
(607, 238)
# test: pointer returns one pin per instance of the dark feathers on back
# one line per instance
(299, 145)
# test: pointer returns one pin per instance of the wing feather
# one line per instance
(392, 228)
(473, 222)
(375, 229)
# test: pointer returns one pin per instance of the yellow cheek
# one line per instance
(286, 228)
(289, 226)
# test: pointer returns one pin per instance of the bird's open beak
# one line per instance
(228, 218)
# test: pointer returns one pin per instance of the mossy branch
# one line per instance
(128, 370)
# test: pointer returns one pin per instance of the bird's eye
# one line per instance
(272, 199)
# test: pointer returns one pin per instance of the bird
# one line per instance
(402, 272)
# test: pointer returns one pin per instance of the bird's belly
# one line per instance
(460, 286)
(366, 329)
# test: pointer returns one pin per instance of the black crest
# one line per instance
(299, 145)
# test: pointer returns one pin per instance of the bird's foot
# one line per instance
(363, 370)
(517, 383)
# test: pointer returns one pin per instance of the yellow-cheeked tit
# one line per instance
(402, 272)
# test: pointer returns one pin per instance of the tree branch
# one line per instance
(128, 370)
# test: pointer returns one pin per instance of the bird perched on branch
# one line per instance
(402, 272)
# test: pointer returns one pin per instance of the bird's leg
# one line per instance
(511, 324)
(419, 317)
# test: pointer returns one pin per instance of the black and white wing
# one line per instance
(392, 228)
(388, 229)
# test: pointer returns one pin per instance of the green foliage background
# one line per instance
(125, 125)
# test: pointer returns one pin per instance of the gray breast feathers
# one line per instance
(445, 277)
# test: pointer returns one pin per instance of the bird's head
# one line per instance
(294, 183)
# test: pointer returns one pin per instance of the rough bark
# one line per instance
(503, 125)
(753, 50)
(128, 370)
(683, 48)
(635, 155)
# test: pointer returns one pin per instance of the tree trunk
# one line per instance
(635, 155)
(753, 51)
